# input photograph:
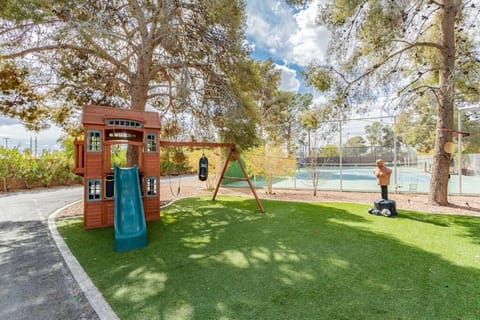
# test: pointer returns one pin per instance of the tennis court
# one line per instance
(361, 178)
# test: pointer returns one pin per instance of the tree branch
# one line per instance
(99, 54)
(389, 57)
(142, 24)
(418, 44)
(441, 5)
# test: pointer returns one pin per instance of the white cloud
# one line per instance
(292, 37)
(17, 136)
(289, 81)
(311, 40)
(269, 23)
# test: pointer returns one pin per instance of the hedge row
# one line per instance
(22, 170)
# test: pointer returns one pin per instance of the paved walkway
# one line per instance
(35, 282)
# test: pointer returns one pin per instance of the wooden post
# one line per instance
(233, 152)
(227, 161)
(259, 203)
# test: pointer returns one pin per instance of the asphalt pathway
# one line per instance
(35, 283)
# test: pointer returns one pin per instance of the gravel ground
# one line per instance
(462, 205)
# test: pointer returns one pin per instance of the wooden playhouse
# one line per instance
(106, 130)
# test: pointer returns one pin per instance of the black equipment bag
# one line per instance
(203, 168)
(387, 208)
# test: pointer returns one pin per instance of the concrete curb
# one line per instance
(93, 295)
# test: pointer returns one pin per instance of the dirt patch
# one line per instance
(462, 205)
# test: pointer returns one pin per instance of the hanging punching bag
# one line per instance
(203, 168)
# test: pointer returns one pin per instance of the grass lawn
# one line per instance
(225, 260)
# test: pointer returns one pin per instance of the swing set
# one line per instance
(233, 154)
(106, 127)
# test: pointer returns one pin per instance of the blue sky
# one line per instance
(290, 37)
(274, 30)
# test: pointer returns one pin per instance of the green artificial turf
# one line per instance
(225, 260)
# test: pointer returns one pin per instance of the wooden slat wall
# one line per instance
(108, 212)
(151, 206)
(93, 214)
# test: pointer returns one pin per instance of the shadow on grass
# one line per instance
(469, 224)
(224, 260)
(439, 220)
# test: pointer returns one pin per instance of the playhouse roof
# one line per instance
(97, 115)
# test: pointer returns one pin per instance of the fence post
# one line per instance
(459, 151)
(395, 152)
(341, 158)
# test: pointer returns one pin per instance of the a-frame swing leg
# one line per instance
(227, 161)
(234, 153)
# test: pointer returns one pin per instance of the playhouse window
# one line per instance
(151, 186)
(151, 145)
(94, 189)
(94, 139)
(124, 123)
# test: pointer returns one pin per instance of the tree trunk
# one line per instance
(139, 96)
(445, 97)
(269, 183)
(309, 149)
(132, 155)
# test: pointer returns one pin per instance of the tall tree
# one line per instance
(379, 134)
(354, 147)
(281, 118)
(408, 47)
(416, 126)
(355, 142)
(178, 56)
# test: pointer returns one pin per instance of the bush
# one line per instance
(10, 161)
(18, 168)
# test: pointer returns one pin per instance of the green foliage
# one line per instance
(20, 10)
(173, 161)
(309, 120)
(379, 134)
(166, 166)
(354, 146)
(51, 164)
(30, 170)
(118, 156)
(329, 150)
(416, 126)
(269, 162)
(381, 26)
(393, 50)
(50, 167)
(256, 84)
(19, 99)
(356, 141)
(471, 144)
(281, 117)
(11, 160)
(130, 53)
(320, 78)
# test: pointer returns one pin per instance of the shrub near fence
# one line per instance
(19, 170)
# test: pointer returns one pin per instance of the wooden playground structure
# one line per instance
(106, 127)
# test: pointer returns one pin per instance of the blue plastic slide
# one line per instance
(130, 226)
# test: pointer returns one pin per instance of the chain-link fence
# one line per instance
(344, 160)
